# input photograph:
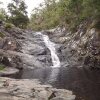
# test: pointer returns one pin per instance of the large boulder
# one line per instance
(10, 60)
(9, 43)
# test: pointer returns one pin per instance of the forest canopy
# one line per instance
(17, 14)
(66, 13)
(52, 13)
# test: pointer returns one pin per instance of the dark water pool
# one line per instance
(85, 83)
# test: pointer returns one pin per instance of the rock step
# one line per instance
(31, 89)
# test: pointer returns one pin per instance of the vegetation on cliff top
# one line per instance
(52, 13)
(17, 14)
(67, 13)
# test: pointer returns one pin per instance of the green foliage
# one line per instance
(67, 13)
(2, 67)
(2, 34)
(18, 12)
(8, 26)
(96, 24)
(45, 18)
(2, 14)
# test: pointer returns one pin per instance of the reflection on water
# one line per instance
(84, 83)
(53, 75)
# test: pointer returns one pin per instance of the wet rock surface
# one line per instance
(35, 49)
(79, 54)
(23, 49)
(79, 48)
(11, 89)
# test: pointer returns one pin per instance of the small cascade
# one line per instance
(51, 46)
(55, 59)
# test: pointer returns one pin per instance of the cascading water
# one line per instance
(55, 59)
(51, 46)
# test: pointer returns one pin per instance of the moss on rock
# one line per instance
(2, 34)
(2, 67)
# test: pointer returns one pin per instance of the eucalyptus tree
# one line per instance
(18, 14)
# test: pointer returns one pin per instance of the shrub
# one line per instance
(97, 25)
(2, 67)
(2, 34)
(8, 26)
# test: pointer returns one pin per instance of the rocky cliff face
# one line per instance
(21, 48)
(25, 49)
(9, 46)
(81, 48)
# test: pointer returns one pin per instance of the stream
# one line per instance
(83, 82)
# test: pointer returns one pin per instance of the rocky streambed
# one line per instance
(79, 63)
(23, 50)
(12, 89)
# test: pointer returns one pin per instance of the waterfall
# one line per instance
(55, 59)
(51, 46)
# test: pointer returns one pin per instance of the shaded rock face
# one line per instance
(12, 64)
(36, 53)
(9, 49)
(10, 60)
(9, 44)
(23, 49)
(80, 48)
(26, 50)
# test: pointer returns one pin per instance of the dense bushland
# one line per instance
(67, 13)
(64, 13)
(16, 15)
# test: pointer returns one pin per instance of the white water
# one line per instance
(51, 46)
(55, 59)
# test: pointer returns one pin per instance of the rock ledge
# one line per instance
(26, 89)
